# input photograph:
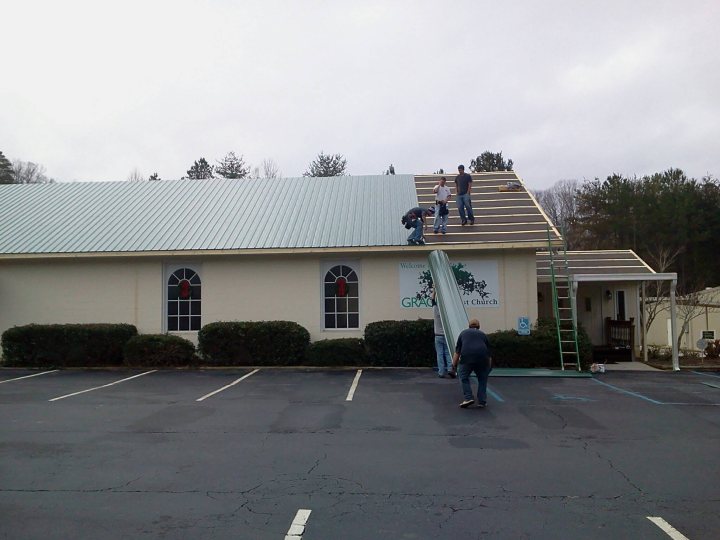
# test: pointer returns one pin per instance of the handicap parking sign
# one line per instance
(523, 326)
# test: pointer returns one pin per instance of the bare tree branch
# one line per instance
(135, 176)
(270, 169)
(27, 172)
(560, 204)
(693, 304)
(661, 260)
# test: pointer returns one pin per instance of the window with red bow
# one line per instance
(184, 291)
(341, 298)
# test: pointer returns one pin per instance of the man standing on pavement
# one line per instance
(444, 362)
(442, 196)
(472, 354)
(463, 186)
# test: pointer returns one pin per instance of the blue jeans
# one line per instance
(444, 360)
(440, 221)
(463, 202)
(481, 370)
(417, 233)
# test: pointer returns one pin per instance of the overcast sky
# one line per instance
(567, 89)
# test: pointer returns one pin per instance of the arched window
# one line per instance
(341, 298)
(183, 300)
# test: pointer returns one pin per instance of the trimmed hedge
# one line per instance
(411, 343)
(337, 352)
(269, 343)
(66, 345)
(401, 343)
(539, 349)
(386, 343)
(159, 350)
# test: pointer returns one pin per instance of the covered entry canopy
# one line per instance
(607, 266)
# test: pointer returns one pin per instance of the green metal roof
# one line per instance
(215, 214)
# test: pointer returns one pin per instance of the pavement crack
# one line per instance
(621, 473)
(126, 484)
(558, 415)
(317, 463)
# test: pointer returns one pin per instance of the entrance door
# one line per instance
(620, 313)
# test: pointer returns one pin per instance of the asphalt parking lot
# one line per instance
(345, 455)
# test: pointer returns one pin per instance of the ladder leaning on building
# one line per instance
(564, 306)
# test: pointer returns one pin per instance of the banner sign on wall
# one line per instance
(477, 281)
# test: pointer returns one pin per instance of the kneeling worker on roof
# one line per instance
(415, 219)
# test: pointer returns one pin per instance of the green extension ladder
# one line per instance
(564, 306)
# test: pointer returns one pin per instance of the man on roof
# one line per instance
(415, 219)
(463, 185)
(442, 196)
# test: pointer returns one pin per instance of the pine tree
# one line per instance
(490, 162)
(327, 165)
(200, 170)
(232, 166)
(7, 176)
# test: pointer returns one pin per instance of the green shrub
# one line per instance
(539, 349)
(159, 350)
(66, 345)
(401, 343)
(337, 352)
(270, 343)
(223, 343)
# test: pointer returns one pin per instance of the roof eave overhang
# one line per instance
(669, 276)
(474, 246)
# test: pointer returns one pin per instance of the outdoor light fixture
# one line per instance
(608, 295)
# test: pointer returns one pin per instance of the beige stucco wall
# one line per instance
(247, 288)
(130, 290)
(289, 287)
(704, 320)
(81, 291)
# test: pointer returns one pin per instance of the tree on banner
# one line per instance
(466, 282)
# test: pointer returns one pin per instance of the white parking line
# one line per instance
(28, 376)
(227, 385)
(351, 393)
(103, 386)
(671, 531)
(297, 528)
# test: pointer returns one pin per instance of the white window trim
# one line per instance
(325, 266)
(168, 269)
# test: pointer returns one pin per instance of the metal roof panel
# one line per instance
(215, 214)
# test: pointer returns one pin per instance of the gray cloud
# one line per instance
(565, 89)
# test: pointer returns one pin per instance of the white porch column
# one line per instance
(673, 326)
(643, 315)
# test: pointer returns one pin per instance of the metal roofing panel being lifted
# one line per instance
(215, 214)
